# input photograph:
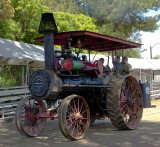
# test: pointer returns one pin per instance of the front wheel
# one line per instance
(74, 117)
(26, 118)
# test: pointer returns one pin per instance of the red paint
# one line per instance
(92, 41)
(67, 65)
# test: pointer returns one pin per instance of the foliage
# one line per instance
(74, 22)
(28, 15)
(123, 17)
(62, 5)
(6, 10)
(12, 75)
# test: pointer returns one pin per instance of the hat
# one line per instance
(125, 58)
(102, 59)
(118, 57)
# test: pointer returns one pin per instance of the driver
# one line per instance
(102, 60)
(106, 68)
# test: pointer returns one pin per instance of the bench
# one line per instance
(9, 99)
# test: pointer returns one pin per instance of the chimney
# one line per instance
(48, 28)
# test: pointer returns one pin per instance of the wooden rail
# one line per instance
(9, 99)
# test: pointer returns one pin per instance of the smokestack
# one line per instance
(48, 28)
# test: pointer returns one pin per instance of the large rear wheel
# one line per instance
(26, 118)
(125, 102)
(74, 117)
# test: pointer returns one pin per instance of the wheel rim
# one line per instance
(131, 104)
(76, 117)
(26, 117)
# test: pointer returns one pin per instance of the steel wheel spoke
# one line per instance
(81, 108)
(74, 128)
(75, 106)
(83, 111)
(72, 124)
(72, 108)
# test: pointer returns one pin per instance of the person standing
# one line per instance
(117, 64)
(126, 68)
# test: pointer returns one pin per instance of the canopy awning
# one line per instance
(92, 41)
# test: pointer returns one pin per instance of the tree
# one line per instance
(7, 26)
(62, 5)
(74, 22)
(28, 15)
(124, 17)
(6, 10)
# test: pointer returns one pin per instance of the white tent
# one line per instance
(18, 53)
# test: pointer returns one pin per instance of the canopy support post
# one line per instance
(140, 74)
(122, 53)
(27, 69)
(22, 75)
(108, 60)
(94, 57)
(116, 50)
(112, 56)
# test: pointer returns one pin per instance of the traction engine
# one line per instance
(75, 90)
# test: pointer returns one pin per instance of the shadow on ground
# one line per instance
(101, 134)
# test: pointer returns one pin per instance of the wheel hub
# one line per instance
(78, 116)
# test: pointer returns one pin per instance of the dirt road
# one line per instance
(101, 134)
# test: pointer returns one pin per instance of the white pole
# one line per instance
(152, 85)
(22, 75)
(26, 77)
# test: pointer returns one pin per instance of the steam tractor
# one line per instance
(84, 90)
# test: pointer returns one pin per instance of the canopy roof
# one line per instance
(92, 41)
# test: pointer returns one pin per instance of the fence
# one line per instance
(9, 98)
(155, 92)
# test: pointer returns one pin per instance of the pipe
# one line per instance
(48, 28)
(49, 51)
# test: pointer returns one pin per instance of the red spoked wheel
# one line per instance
(125, 102)
(26, 118)
(74, 117)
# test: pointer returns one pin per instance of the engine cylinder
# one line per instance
(44, 84)
(70, 64)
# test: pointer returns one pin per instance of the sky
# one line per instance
(150, 39)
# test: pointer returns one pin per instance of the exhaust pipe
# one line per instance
(48, 28)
